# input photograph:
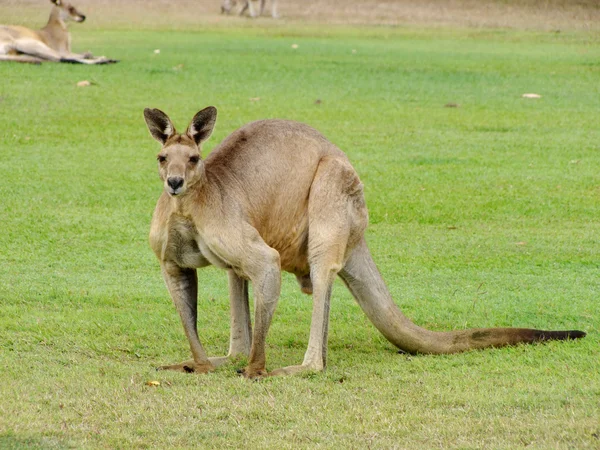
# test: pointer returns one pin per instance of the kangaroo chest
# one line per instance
(184, 245)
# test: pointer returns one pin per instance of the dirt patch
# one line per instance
(523, 14)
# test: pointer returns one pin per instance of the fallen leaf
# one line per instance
(294, 46)
(451, 105)
(521, 243)
(451, 227)
(83, 83)
(153, 383)
(574, 161)
(157, 51)
(531, 96)
(318, 101)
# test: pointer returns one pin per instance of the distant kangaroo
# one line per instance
(51, 43)
(228, 5)
(276, 195)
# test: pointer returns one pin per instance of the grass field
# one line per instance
(481, 215)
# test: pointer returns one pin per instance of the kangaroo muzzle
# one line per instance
(175, 185)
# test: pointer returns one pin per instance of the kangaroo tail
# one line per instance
(363, 279)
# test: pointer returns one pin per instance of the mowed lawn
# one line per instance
(485, 214)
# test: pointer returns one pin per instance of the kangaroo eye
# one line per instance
(161, 158)
(194, 159)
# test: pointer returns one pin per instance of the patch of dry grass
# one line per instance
(527, 14)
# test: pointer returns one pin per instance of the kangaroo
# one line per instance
(276, 195)
(51, 43)
(228, 5)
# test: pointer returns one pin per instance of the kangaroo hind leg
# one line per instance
(262, 266)
(36, 49)
(337, 219)
(240, 339)
(21, 59)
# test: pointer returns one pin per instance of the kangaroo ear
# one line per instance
(56, 2)
(202, 124)
(159, 124)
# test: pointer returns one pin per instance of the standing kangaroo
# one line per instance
(228, 5)
(51, 43)
(276, 195)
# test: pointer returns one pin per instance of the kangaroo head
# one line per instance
(179, 160)
(67, 11)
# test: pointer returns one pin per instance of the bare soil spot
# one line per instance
(519, 14)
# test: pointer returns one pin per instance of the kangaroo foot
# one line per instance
(189, 367)
(219, 360)
(237, 358)
(252, 373)
(293, 370)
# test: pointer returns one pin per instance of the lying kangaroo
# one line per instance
(51, 43)
(276, 195)
(228, 5)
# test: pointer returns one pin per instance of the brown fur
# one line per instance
(51, 43)
(276, 195)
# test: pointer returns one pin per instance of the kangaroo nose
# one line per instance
(82, 17)
(175, 182)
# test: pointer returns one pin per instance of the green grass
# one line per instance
(486, 214)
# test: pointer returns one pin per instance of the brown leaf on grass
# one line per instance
(318, 101)
(451, 105)
(531, 96)
(153, 383)
(521, 243)
(451, 227)
(83, 83)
